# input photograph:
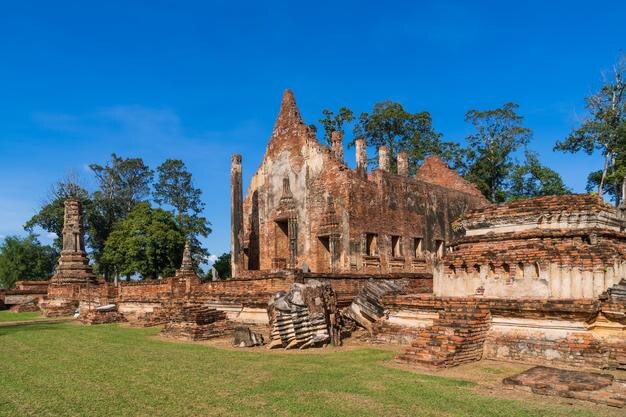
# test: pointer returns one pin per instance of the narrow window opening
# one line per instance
(417, 246)
(371, 244)
(439, 248)
(396, 246)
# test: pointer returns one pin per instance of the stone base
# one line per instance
(194, 322)
(100, 317)
(588, 386)
(24, 308)
(194, 332)
(58, 308)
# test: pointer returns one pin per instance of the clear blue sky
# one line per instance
(202, 80)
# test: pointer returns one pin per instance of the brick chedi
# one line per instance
(73, 266)
(571, 246)
(306, 208)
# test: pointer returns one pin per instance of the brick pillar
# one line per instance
(383, 158)
(73, 265)
(361, 157)
(336, 139)
(403, 164)
(236, 215)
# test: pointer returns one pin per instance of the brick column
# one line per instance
(361, 157)
(403, 164)
(336, 139)
(236, 215)
(383, 158)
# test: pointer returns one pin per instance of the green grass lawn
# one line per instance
(65, 369)
(6, 315)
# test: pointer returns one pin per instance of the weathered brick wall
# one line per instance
(563, 332)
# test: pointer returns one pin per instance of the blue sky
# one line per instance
(202, 80)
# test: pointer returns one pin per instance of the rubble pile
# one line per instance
(366, 308)
(303, 317)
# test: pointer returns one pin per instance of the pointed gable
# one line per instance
(435, 171)
(290, 132)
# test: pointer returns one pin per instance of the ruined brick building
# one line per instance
(305, 206)
(538, 280)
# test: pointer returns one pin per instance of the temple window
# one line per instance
(396, 246)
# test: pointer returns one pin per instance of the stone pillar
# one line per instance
(336, 139)
(236, 215)
(73, 266)
(361, 157)
(403, 164)
(383, 158)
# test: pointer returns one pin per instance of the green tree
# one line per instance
(175, 188)
(25, 259)
(50, 214)
(334, 122)
(122, 184)
(532, 179)
(389, 124)
(148, 242)
(499, 133)
(604, 131)
(222, 266)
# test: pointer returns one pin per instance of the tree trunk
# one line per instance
(623, 192)
(604, 170)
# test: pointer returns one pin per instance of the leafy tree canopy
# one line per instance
(50, 215)
(148, 242)
(175, 188)
(499, 133)
(532, 179)
(604, 131)
(334, 122)
(389, 124)
(25, 259)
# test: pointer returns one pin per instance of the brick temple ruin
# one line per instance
(422, 261)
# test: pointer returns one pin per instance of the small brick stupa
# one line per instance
(73, 266)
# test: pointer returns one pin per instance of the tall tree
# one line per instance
(148, 242)
(499, 133)
(25, 259)
(334, 122)
(50, 214)
(175, 188)
(532, 179)
(123, 181)
(603, 131)
(389, 124)
(122, 184)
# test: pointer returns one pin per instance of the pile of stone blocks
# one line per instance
(588, 386)
(306, 316)
(195, 322)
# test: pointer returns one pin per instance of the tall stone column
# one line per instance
(236, 215)
(336, 139)
(361, 157)
(383, 158)
(403, 164)
(73, 266)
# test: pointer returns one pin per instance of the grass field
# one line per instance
(65, 369)
(6, 315)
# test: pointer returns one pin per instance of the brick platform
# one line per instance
(588, 386)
